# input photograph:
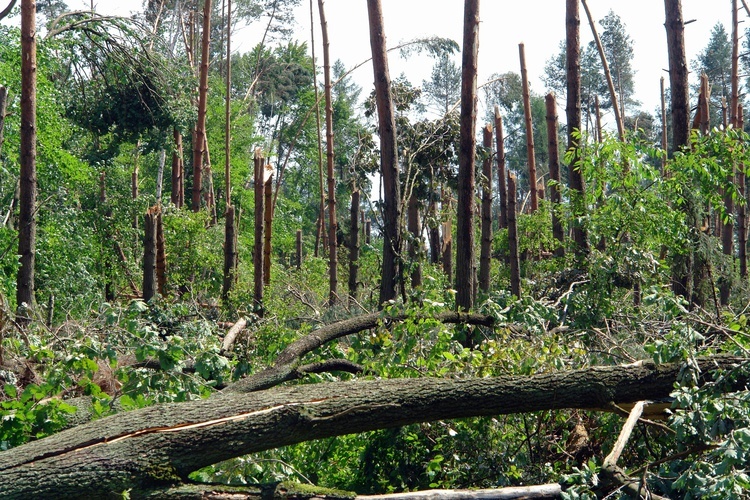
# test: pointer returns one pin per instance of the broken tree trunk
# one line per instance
(465, 254)
(149, 254)
(354, 245)
(230, 252)
(485, 253)
(515, 262)
(161, 254)
(555, 196)
(447, 249)
(502, 189)
(151, 450)
(267, 223)
(530, 156)
(415, 240)
(178, 175)
(259, 164)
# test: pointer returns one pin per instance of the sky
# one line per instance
(539, 24)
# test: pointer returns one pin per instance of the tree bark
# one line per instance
(178, 175)
(573, 113)
(149, 254)
(259, 164)
(388, 155)
(299, 249)
(267, 227)
(200, 128)
(530, 155)
(354, 245)
(447, 249)
(555, 196)
(230, 252)
(28, 189)
(156, 448)
(500, 153)
(465, 257)
(485, 254)
(664, 135)
(3, 107)
(515, 262)
(161, 254)
(333, 260)
(742, 207)
(415, 244)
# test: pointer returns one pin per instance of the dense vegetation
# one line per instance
(113, 95)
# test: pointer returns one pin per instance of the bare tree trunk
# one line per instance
(268, 223)
(200, 128)
(161, 254)
(178, 171)
(258, 248)
(742, 207)
(554, 174)
(321, 226)
(230, 252)
(502, 189)
(703, 115)
(333, 261)
(598, 119)
(149, 254)
(485, 254)
(27, 204)
(3, 107)
(664, 144)
(299, 248)
(447, 249)
(433, 233)
(230, 226)
(515, 263)
(415, 243)
(354, 245)
(530, 155)
(465, 258)
(607, 74)
(573, 113)
(388, 155)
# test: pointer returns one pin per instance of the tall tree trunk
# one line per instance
(3, 107)
(502, 189)
(664, 135)
(388, 155)
(178, 171)
(573, 113)
(433, 231)
(230, 252)
(27, 205)
(485, 254)
(683, 266)
(530, 155)
(321, 225)
(161, 254)
(598, 120)
(268, 224)
(299, 249)
(515, 262)
(354, 245)
(742, 207)
(415, 243)
(555, 196)
(259, 163)
(149, 254)
(160, 174)
(230, 226)
(200, 128)
(607, 74)
(333, 260)
(465, 258)
(447, 249)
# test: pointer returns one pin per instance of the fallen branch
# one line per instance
(552, 490)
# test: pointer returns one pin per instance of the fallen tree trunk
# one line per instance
(154, 449)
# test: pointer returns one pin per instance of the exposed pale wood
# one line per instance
(231, 336)
(552, 490)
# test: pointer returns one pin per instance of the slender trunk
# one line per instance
(321, 226)
(200, 128)
(333, 260)
(702, 116)
(228, 113)
(299, 248)
(210, 193)
(530, 156)
(149, 254)
(3, 107)
(447, 250)
(554, 174)
(742, 206)
(607, 74)
(161, 254)
(28, 190)
(415, 243)
(485, 254)
(598, 120)
(388, 155)
(109, 286)
(258, 248)
(160, 174)
(230, 252)
(354, 245)
(178, 176)
(573, 113)
(515, 263)
(500, 153)
(664, 144)
(268, 224)
(465, 258)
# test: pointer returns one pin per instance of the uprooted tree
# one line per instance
(151, 452)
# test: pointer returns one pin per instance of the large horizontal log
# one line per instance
(161, 445)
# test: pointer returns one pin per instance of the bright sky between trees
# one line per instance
(540, 25)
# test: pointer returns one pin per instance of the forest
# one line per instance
(231, 274)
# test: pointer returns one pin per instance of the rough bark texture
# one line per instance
(388, 155)
(502, 195)
(158, 447)
(149, 254)
(299, 249)
(742, 208)
(414, 225)
(515, 263)
(259, 163)
(3, 107)
(333, 260)
(465, 258)
(573, 112)
(447, 249)
(267, 229)
(178, 175)
(485, 254)
(161, 254)
(354, 245)
(555, 196)
(230, 252)
(530, 156)
(27, 202)
(727, 230)
(200, 128)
